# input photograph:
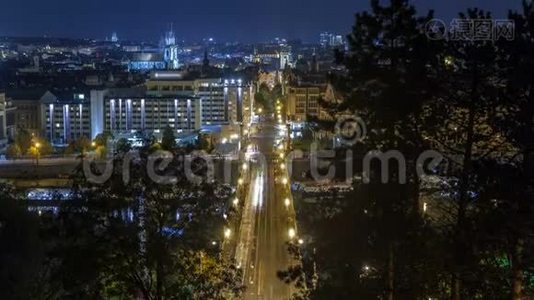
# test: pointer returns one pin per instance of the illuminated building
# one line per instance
(168, 99)
(171, 50)
(331, 40)
(65, 117)
(222, 99)
(303, 101)
(114, 37)
(147, 61)
(3, 119)
(123, 111)
(279, 57)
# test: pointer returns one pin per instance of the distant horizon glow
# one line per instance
(224, 21)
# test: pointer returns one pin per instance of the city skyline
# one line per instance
(228, 21)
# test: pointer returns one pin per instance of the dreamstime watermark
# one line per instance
(199, 166)
(350, 129)
(471, 30)
(196, 168)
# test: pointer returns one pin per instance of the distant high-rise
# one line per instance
(327, 39)
(324, 39)
(114, 37)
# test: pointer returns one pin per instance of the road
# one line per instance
(264, 234)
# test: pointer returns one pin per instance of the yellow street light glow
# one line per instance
(37, 145)
(227, 232)
(281, 155)
(286, 202)
(301, 241)
(240, 181)
(93, 144)
(245, 166)
(282, 166)
(284, 180)
(291, 232)
(260, 110)
(236, 201)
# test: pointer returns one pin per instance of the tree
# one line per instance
(23, 139)
(389, 82)
(204, 143)
(168, 141)
(157, 237)
(123, 146)
(101, 143)
(13, 151)
(24, 271)
(102, 139)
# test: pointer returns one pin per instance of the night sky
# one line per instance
(228, 20)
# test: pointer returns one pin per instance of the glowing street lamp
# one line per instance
(291, 233)
(236, 201)
(227, 233)
(287, 202)
(240, 181)
(36, 146)
(284, 180)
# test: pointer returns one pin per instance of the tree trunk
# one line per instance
(456, 287)
(464, 190)
(390, 274)
(517, 271)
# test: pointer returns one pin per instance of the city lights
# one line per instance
(389, 159)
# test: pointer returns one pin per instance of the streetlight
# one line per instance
(227, 233)
(236, 201)
(284, 180)
(240, 181)
(287, 202)
(291, 232)
(282, 166)
(37, 145)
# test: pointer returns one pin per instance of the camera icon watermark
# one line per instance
(471, 30)
(350, 130)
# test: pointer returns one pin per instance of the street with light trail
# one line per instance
(268, 218)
